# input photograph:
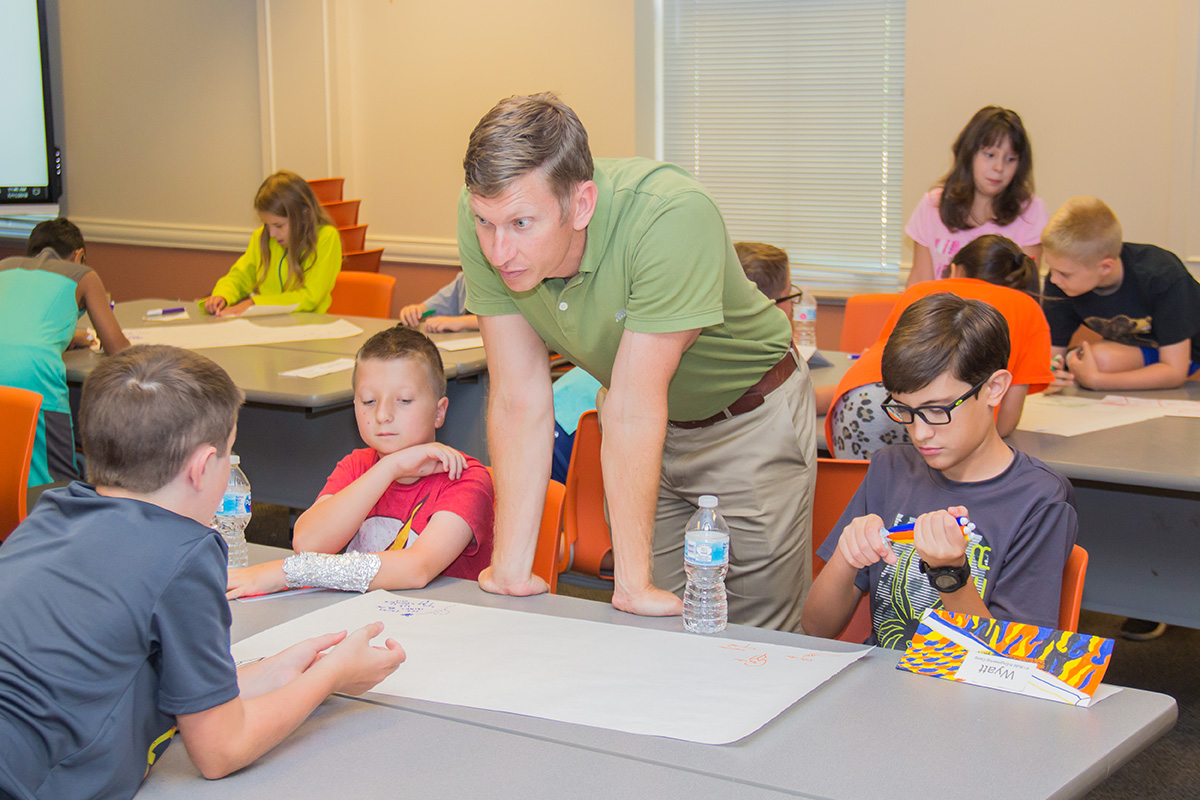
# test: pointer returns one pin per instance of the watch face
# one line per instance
(947, 583)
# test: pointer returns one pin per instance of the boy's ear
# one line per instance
(199, 463)
(1106, 265)
(997, 386)
(440, 417)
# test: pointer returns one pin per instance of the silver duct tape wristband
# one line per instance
(349, 572)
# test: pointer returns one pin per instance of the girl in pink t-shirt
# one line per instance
(988, 190)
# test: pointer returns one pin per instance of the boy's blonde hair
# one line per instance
(399, 342)
(1084, 230)
(145, 410)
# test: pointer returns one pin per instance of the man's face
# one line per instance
(523, 234)
(1069, 275)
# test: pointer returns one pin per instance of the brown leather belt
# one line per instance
(754, 397)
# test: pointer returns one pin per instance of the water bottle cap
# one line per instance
(708, 501)
(234, 460)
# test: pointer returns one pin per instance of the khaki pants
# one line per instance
(762, 465)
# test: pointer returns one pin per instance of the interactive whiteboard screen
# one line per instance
(28, 173)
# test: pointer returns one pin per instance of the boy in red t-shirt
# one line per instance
(405, 509)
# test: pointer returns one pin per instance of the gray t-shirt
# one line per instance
(1023, 529)
(450, 300)
(115, 621)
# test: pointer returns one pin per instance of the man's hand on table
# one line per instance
(531, 584)
(649, 602)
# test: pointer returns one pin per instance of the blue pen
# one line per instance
(158, 312)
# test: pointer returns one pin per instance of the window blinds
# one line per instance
(791, 113)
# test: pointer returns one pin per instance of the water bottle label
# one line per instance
(805, 315)
(233, 505)
(706, 553)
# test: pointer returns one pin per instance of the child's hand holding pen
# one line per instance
(1060, 370)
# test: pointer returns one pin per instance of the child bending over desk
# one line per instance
(116, 629)
(294, 257)
(992, 269)
(1139, 298)
(407, 508)
(944, 368)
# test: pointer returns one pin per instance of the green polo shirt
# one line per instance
(658, 260)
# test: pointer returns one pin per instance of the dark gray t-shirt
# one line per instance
(1023, 529)
(115, 621)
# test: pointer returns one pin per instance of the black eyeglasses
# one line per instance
(931, 415)
(795, 295)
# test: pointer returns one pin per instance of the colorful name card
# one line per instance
(1040, 662)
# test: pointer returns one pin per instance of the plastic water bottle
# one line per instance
(233, 515)
(706, 560)
(804, 319)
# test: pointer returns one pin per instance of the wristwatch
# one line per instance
(947, 579)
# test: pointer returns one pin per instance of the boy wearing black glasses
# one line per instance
(987, 529)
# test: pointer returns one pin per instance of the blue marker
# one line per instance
(160, 312)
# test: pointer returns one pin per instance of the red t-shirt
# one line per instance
(1028, 333)
(407, 509)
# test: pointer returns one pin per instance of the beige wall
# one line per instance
(174, 110)
(1095, 82)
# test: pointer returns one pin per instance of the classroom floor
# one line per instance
(1167, 770)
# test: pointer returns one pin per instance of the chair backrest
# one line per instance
(1072, 589)
(837, 481)
(362, 260)
(550, 544)
(362, 294)
(586, 531)
(353, 238)
(344, 213)
(18, 427)
(865, 315)
(327, 190)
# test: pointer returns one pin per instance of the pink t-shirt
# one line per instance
(404, 510)
(925, 227)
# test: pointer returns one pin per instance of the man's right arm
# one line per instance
(520, 442)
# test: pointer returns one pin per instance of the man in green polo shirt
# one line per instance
(625, 267)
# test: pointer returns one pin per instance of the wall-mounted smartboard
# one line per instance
(29, 164)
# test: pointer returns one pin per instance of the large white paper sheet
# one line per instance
(238, 332)
(465, 343)
(1170, 408)
(1071, 416)
(684, 686)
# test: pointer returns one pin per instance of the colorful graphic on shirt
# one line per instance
(158, 747)
(380, 533)
(902, 592)
(1124, 329)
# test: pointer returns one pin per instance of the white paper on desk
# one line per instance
(1170, 408)
(238, 332)
(317, 370)
(684, 686)
(468, 343)
(1070, 416)
(268, 311)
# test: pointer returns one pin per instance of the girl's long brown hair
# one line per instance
(285, 194)
(990, 126)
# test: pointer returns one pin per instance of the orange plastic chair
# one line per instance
(327, 190)
(354, 238)
(362, 260)
(837, 481)
(548, 556)
(865, 315)
(1072, 589)
(344, 213)
(18, 427)
(586, 532)
(362, 294)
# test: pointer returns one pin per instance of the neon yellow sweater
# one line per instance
(319, 274)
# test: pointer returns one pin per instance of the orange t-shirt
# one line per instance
(1028, 332)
